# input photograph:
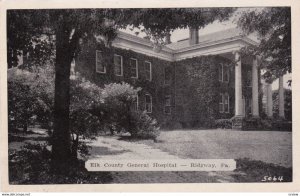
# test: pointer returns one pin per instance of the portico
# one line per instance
(239, 101)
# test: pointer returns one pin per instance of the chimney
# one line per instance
(194, 35)
(168, 38)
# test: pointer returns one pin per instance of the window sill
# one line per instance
(100, 72)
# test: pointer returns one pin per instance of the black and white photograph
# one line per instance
(149, 95)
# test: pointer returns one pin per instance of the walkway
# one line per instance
(111, 147)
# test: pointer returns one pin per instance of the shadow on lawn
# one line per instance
(20, 138)
(31, 165)
(258, 171)
(134, 139)
(98, 150)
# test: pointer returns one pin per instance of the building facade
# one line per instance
(188, 83)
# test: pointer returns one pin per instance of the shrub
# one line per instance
(223, 123)
(32, 165)
(30, 96)
(118, 114)
(281, 125)
(143, 126)
(84, 124)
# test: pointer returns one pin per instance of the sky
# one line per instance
(184, 33)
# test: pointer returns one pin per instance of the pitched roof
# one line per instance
(212, 37)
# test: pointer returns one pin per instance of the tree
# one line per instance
(273, 26)
(30, 94)
(72, 26)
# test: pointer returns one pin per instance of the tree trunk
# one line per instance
(61, 141)
(75, 144)
(25, 127)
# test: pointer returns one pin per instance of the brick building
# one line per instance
(186, 83)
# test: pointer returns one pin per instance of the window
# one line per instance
(136, 103)
(223, 73)
(226, 103)
(148, 103)
(220, 71)
(221, 104)
(168, 104)
(100, 66)
(249, 78)
(148, 70)
(118, 65)
(133, 68)
(168, 75)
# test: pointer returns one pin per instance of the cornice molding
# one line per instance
(141, 45)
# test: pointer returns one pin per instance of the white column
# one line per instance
(239, 111)
(269, 100)
(281, 97)
(255, 107)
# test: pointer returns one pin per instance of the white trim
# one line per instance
(140, 45)
(150, 103)
(121, 65)
(97, 71)
(139, 40)
(150, 70)
(211, 50)
(136, 68)
(119, 43)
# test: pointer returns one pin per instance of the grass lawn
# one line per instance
(259, 154)
(267, 146)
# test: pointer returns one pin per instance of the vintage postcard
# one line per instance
(152, 96)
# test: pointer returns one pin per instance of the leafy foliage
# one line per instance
(120, 115)
(224, 123)
(287, 104)
(32, 165)
(158, 23)
(70, 27)
(30, 94)
(143, 126)
(273, 25)
(200, 100)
